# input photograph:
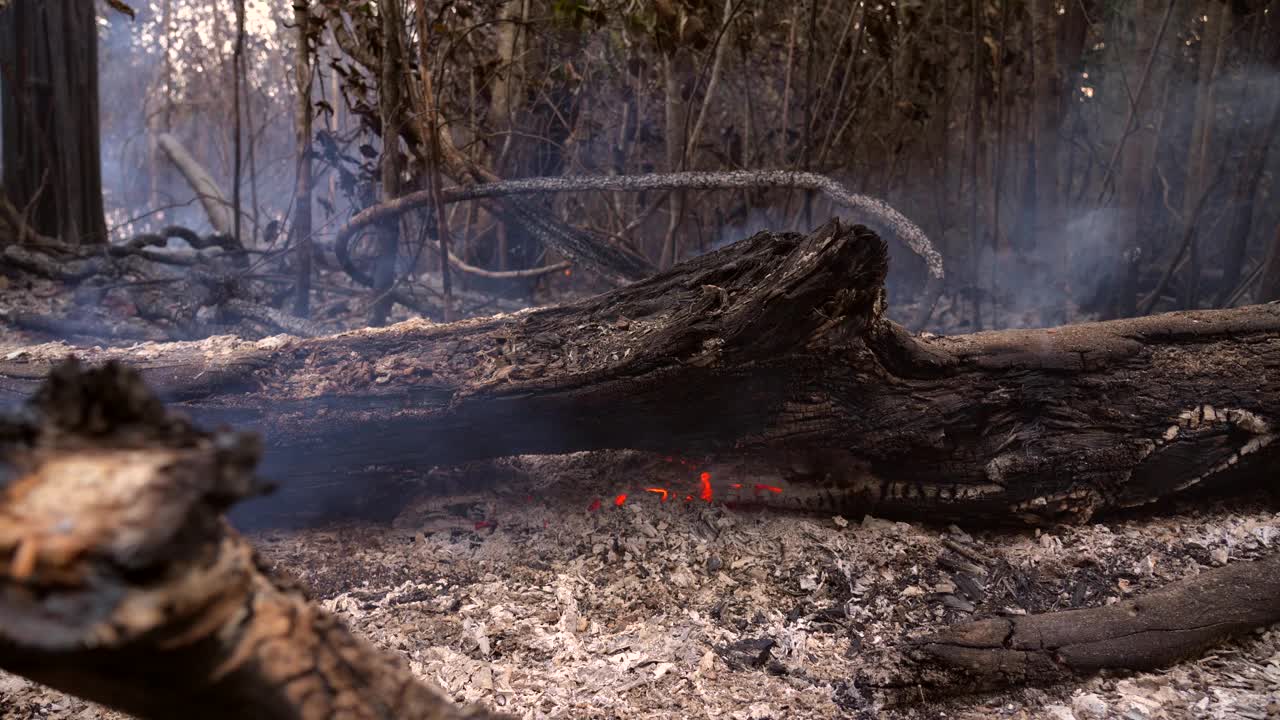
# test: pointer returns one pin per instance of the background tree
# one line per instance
(49, 94)
(1072, 160)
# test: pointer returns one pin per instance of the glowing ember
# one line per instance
(706, 491)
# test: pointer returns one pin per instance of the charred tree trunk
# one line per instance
(125, 585)
(776, 347)
(49, 101)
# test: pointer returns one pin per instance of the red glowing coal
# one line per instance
(706, 490)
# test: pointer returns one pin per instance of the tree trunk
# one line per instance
(1248, 205)
(1199, 162)
(1269, 286)
(1144, 73)
(974, 131)
(504, 103)
(503, 100)
(774, 348)
(127, 587)
(390, 104)
(302, 191)
(1211, 48)
(237, 119)
(673, 133)
(216, 206)
(1046, 108)
(49, 99)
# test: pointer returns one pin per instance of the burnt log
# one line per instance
(124, 584)
(1179, 621)
(778, 348)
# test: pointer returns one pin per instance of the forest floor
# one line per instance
(530, 598)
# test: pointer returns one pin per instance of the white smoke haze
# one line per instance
(153, 81)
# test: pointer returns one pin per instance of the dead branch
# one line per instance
(34, 260)
(613, 262)
(23, 231)
(876, 211)
(1176, 622)
(68, 327)
(507, 274)
(277, 319)
(125, 586)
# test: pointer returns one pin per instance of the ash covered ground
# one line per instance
(518, 595)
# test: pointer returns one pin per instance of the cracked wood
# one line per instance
(776, 347)
(123, 583)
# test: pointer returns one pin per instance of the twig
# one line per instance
(507, 274)
(1133, 101)
(11, 217)
(1244, 286)
(30, 206)
(1188, 235)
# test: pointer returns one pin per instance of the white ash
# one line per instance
(654, 610)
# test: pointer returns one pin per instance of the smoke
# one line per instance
(152, 81)
(1064, 270)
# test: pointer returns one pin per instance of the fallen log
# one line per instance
(215, 203)
(124, 585)
(1176, 622)
(776, 347)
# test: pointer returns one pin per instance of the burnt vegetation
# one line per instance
(681, 281)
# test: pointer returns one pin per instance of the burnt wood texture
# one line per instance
(124, 584)
(775, 347)
(1179, 621)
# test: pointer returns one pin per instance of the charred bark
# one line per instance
(776, 347)
(50, 144)
(125, 585)
(1174, 623)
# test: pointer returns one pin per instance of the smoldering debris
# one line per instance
(529, 600)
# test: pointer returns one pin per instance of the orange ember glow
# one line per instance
(706, 491)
